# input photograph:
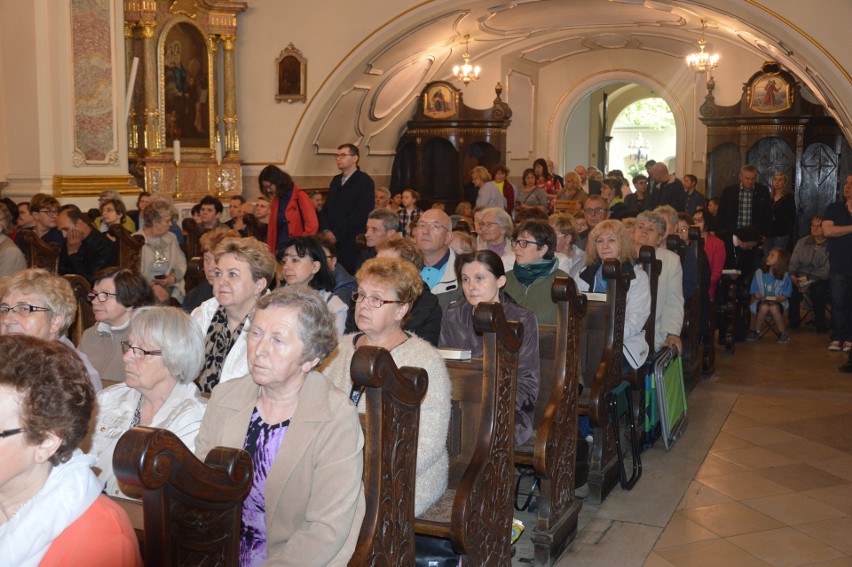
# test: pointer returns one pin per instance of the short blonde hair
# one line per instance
(407, 250)
(251, 251)
(611, 226)
(56, 291)
(395, 273)
(572, 175)
(481, 173)
(212, 238)
(563, 223)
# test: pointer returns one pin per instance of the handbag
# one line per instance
(434, 552)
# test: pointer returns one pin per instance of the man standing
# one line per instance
(433, 235)
(86, 251)
(595, 209)
(590, 186)
(351, 197)
(211, 211)
(746, 204)
(837, 227)
(552, 171)
(667, 189)
(637, 201)
(694, 199)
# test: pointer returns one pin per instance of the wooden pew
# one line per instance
(691, 333)
(391, 425)
(194, 273)
(193, 232)
(129, 248)
(653, 268)
(192, 510)
(475, 513)
(85, 316)
(552, 450)
(603, 338)
(41, 254)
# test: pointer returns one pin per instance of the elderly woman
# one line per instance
(162, 357)
(113, 212)
(310, 511)
(387, 288)
(783, 215)
(163, 262)
(571, 257)
(11, 258)
(116, 293)
(535, 268)
(35, 303)
(304, 262)
(208, 243)
(244, 268)
(482, 278)
(531, 195)
(609, 240)
(650, 231)
(52, 511)
(495, 233)
(487, 194)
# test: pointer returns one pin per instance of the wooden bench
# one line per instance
(691, 330)
(129, 248)
(41, 254)
(391, 425)
(552, 450)
(85, 315)
(193, 232)
(603, 340)
(569, 206)
(192, 510)
(653, 268)
(475, 512)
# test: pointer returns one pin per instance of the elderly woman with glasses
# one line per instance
(52, 511)
(387, 289)
(306, 502)
(536, 266)
(116, 293)
(162, 357)
(163, 262)
(495, 233)
(37, 304)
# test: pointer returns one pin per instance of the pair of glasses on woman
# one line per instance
(371, 300)
(100, 296)
(10, 432)
(22, 309)
(138, 352)
(523, 243)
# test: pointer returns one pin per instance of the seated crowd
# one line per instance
(269, 333)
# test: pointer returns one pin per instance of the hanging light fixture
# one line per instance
(466, 72)
(702, 61)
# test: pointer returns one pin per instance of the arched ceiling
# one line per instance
(373, 91)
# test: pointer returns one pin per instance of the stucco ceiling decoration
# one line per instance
(435, 35)
(342, 122)
(675, 47)
(550, 52)
(399, 87)
(610, 41)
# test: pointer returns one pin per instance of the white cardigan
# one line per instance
(181, 414)
(236, 363)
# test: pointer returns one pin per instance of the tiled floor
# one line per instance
(763, 475)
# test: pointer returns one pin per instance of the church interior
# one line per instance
(196, 97)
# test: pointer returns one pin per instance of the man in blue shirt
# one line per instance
(433, 235)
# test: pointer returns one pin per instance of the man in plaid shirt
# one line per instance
(745, 204)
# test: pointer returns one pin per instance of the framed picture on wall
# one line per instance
(292, 69)
(440, 102)
(770, 93)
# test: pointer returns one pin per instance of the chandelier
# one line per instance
(466, 72)
(702, 61)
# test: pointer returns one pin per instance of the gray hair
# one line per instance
(654, 217)
(502, 218)
(56, 292)
(172, 331)
(155, 211)
(111, 194)
(316, 323)
(384, 191)
(390, 220)
(5, 219)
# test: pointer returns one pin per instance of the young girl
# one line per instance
(409, 212)
(771, 287)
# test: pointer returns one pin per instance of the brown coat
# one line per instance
(315, 494)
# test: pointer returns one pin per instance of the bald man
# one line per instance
(667, 189)
(590, 186)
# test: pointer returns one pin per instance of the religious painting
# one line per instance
(186, 87)
(439, 102)
(770, 93)
(292, 69)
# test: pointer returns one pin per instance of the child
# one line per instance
(771, 287)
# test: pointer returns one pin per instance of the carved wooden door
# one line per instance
(771, 156)
(723, 168)
(439, 171)
(818, 186)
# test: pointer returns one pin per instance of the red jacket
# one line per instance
(300, 214)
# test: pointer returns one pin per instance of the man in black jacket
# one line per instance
(351, 197)
(746, 204)
(86, 251)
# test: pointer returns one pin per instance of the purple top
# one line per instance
(262, 442)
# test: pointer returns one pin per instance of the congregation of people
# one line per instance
(257, 355)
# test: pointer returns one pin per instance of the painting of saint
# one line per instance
(186, 87)
(770, 93)
(439, 102)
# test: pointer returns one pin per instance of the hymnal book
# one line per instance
(592, 296)
(454, 353)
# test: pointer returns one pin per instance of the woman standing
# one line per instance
(545, 179)
(482, 279)
(116, 293)
(244, 268)
(291, 212)
(501, 180)
(487, 195)
(306, 502)
(783, 215)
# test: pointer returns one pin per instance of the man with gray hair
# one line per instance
(382, 225)
(433, 235)
(11, 258)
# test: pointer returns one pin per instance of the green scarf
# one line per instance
(528, 273)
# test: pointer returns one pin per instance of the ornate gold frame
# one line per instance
(283, 78)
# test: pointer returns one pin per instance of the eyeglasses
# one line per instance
(523, 243)
(10, 432)
(433, 226)
(101, 295)
(48, 212)
(595, 211)
(485, 224)
(138, 352)
(371, 300)
(21, 309)
(338, 156)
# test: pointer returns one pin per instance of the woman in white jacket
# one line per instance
(244, 268)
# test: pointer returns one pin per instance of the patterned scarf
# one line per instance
(528, 273)
(218, 344)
